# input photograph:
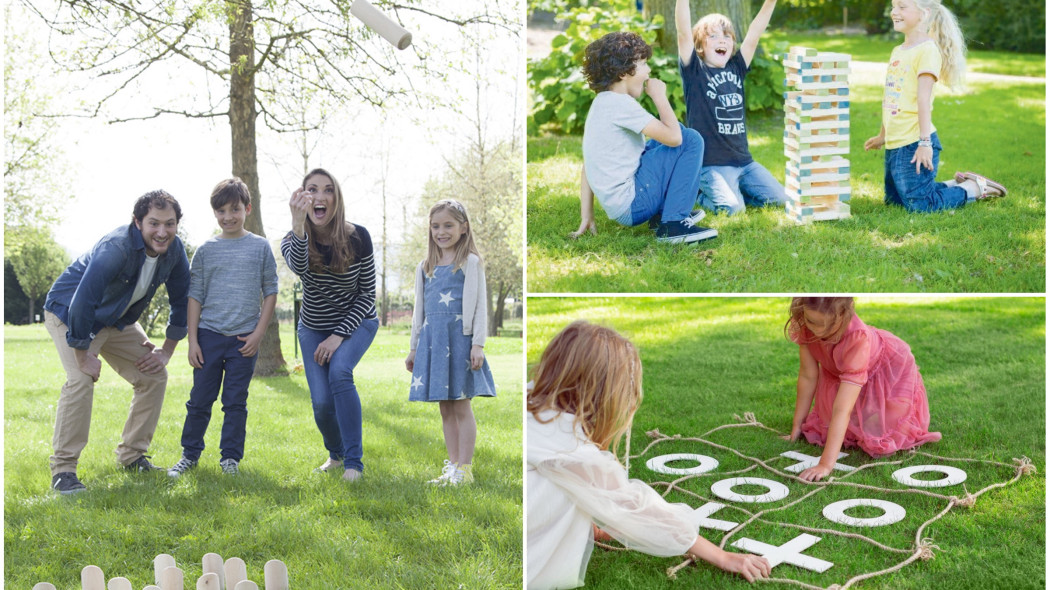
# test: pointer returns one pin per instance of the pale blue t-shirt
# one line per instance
(612, 148)
(230, 278)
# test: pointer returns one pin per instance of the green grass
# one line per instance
(990, 246)
(878, 48)
(387, 531)
(706, 359)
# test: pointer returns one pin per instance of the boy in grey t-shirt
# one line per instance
(233, 291)
(634, 180)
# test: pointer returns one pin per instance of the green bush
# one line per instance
(561, 98)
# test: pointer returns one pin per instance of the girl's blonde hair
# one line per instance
(464, 247)
(335, 234)
(709, 24)
(593, 373)
(839, 308)
(943, 27)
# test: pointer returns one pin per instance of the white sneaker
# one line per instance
(461, 476)
(446, 471)
(181, 467)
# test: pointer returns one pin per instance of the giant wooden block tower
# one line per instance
(816, 134)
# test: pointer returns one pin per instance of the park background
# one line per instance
(105, 101)
(708, 360)
(996, 127)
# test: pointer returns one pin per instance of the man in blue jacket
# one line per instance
(92, 311)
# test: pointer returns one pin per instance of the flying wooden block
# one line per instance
(383, 25)
(119, 584)
(275, 575)
(91, 578)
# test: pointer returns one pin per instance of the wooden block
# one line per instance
(119, 584)
(246, 585)
(151, 587)
(44, 586)
(91, 578)
(171, 579)
(209, 581)
(161, 563)
(236, 572)
(275, 575)
(211, 563)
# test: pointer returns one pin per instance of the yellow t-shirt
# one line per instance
(900, 102)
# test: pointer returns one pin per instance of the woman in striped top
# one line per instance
(337, 321)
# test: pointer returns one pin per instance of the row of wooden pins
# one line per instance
(218, 575)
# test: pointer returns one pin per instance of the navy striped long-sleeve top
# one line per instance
(336, 302)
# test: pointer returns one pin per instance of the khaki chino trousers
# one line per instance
(120, 349)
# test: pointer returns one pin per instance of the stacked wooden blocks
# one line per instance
(816, 134)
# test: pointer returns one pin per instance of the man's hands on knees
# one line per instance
(153, 361)
(88, 363)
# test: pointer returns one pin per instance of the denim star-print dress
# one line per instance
(442, 367)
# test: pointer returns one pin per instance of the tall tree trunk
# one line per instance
(245, 165)
(738, 11)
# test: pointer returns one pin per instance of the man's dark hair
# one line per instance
(228, 191)
(612, 57)
(156, 200)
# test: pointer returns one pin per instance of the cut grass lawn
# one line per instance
(992, 246)
(708, 358)
(389, 530)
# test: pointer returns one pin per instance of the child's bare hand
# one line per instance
(815, 473)
(477, 357)
(196, 357)
(874, 143)
(599, 534)
(793, 437)
(923, 158)
(655, 88)
(586, 225)
(750, 567)
(251, 344)
(410, 360)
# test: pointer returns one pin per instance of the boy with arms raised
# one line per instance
(713, 74)
(637, 181)
(227, 321)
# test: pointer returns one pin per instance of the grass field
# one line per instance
(706, 359)
(998, 128)
(387, 531)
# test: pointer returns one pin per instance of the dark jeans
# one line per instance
(919, 192)
(223, 366)
(337, 407)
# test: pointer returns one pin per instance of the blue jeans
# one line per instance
(337, 407)
(729, 188)
(667, 180)
(919, 192)
(223, 366)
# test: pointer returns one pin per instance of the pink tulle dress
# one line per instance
(891, 413)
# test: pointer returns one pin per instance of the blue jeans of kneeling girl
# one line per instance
(337, 407)
(667, 180)
(919, 192)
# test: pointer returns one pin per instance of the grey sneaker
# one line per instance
(182, 466)
(67, 483)
(229, 466)
(142, 464)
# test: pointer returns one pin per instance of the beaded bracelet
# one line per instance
(925, 142)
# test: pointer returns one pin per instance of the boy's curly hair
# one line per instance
(612, 57)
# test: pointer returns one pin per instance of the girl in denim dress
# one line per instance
(933, 49)
(449, 325)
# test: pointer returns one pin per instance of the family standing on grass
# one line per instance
(707, 164)
(223, 302)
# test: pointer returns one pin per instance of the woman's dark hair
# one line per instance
(156, 200)
(612, 57)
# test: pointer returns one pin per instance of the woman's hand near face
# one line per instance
(301, 203)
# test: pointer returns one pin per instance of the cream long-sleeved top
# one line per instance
(475, 302)
(570, 484)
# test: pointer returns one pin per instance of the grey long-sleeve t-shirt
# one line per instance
(230, 278)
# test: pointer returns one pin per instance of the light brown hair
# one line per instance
(463, 247)
(839, 308)
(593, 373)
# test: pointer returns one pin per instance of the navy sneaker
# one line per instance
(142, 464)
(683, 232)
(693, 219)
(67, 483)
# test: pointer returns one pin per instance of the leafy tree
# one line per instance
(16, 304)
(261, 54)
(738, 11)
(37, 261)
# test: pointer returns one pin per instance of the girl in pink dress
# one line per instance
(867, 387)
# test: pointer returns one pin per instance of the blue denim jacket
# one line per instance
(98, 286)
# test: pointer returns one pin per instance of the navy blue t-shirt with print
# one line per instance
(714, 102)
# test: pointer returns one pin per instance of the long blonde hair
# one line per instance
(593, 373)
(839, 308)
(943, 27)
(336, 233)
(463, 248)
